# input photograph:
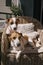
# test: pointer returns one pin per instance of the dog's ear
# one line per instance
(24, 40)
(7, 20)
(17, 21)
(20, 34)
(8, 35)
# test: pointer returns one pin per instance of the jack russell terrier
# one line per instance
(11, 25)
(17, 43)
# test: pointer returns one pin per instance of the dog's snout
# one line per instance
(15, 28)
(18, 44)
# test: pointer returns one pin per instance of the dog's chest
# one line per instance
(15, 48)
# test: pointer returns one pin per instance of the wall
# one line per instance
(4, 9)
(2, 2)
(41, 18)
(37, 9)
(27, 6)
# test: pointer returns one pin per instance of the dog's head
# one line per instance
(11, 25)
(17, 40)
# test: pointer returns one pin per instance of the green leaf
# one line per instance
(16, 10)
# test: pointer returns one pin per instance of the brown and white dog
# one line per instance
(11, 25)
(17, 42)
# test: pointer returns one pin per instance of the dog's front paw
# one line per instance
(18, 56)
(17, 60)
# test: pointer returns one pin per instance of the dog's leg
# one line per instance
(38, 43)
(18, 55)
(31, 43)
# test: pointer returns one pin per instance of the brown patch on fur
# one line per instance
(15, 34)
(9, 21)
(26, 37)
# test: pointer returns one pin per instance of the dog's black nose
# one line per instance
(15, 28)
(18, 44)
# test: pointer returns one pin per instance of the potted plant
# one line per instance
(17, 11)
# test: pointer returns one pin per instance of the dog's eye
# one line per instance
(20, 37)
(14, 37)
(11, 23)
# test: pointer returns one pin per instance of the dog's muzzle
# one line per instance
(15, 28)
(18, 44)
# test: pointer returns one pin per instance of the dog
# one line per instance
(17, 43)
(11, 25)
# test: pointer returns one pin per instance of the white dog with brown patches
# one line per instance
(17, 42)
(11, 25)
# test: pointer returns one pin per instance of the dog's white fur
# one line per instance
(25, 28)
(31, 35)
(40, 49)
(10, 28)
